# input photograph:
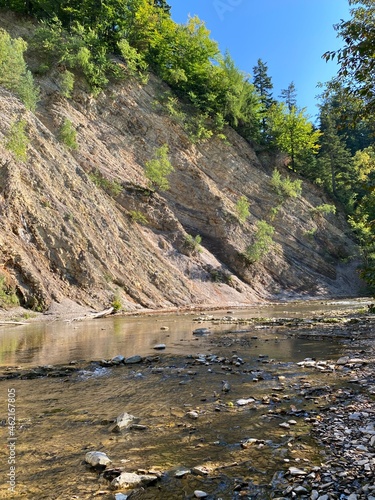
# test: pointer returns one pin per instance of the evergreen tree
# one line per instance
(289, 96)
(334, 160)
(263, 85)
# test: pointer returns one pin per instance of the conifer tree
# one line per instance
(263, 85)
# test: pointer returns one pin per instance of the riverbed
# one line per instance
(224, 403)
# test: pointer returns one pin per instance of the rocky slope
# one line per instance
(63, 236)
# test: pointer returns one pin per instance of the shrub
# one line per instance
(262, 243)
(17, 140)
(66, 83)
(136, 65)
(68, 134)
(14, 74)
(137, 216)
(159, 168)
(116, 303)
(324, 209)
(193, 244)
(8, 295)
(113, 188)
(242, 208)
(286, 188)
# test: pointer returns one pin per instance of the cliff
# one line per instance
(65, 233)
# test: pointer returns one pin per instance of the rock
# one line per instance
(95, 458)
(201, 331)
(200, 471)
(121, 496)
(200, 494)
(182, 472)
(294, 471)
(133, 359)
(131, 480)
(193, 415)
(343, 360)
(249, 442)
(117, 360)
(159, 347)
(124, 421)
(226, 386)
(300, 490)
(244, 402)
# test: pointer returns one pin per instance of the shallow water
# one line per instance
(60, 342)
(60, 419)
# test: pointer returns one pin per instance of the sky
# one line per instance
(290, 36)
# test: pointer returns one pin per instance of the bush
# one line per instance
(68, 134)
(137, 216)
(324, 209)
(286, 188)
(66, 83)
(14, 74)
(159, 168)
(17, 140)
(193, 244)
(242, 208)
(113, 188)
(8, 295)
(262, 243)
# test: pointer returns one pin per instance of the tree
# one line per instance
(356, 58)
(289, 96)
(263, 85)
(158, 169)
(14, 75)
(334, 160)
(293, 133)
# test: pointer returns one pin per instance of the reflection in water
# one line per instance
(61, 342)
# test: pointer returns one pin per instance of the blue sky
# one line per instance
(289, 35)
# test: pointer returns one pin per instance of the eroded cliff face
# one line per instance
(63, 236)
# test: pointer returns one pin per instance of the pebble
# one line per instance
(200, 494)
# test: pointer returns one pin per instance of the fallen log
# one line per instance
(13, 323)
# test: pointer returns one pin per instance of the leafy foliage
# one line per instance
(14, 74)
(356, 58)
(17, 140)
(293, 133)
(113, 188)
(262, 244)
(68, 134)
(193, 243)
(158, 169)
(285, 187)
(242, 208)
(8, 296)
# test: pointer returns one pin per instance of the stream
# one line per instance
(208, 392)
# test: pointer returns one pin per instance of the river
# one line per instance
(186, 419)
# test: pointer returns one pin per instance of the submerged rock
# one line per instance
(124, 421)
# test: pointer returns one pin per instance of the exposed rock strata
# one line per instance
(62, 236)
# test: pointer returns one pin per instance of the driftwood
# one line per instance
(100, 314)
(13, 323)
